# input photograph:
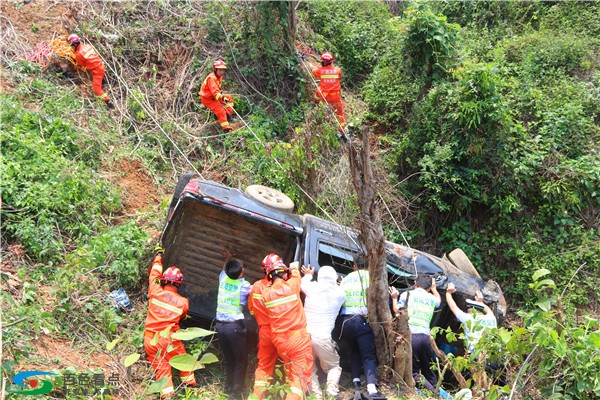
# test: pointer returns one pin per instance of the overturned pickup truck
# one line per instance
(206, 218)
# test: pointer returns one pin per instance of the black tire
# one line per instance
(271, 197)
(181, 184)
(462, 262)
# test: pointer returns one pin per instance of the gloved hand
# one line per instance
(228, 100)
(158, 250)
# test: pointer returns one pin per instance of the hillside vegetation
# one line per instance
(485, 124)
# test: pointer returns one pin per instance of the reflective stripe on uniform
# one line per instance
(283, 300)
(88, 53)
(297, 391)
(187, 379)
(166, 306)
(330, 76)
(167, 390)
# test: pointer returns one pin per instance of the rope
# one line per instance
(307, 50)
(149, 111)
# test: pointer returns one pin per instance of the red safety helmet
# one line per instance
(73, 39)
(327, 58)
(272, 260)
(219, 64)
(173, 275)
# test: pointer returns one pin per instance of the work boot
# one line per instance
(110, 105)
(227, 130)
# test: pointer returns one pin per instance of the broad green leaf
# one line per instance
(208, 358)
(165, 332)
(111, 345)
(544, 304)
(191, 333)
(539, 273)
(594, 339)
(505, 337)
(131, 359)
(154, 340)
(157, 386)
(560, 348)
(185, 362)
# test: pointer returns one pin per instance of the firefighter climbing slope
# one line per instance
(86, 57)
(329, 77)
(212, 97)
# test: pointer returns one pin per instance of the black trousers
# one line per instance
(232, 338)
(421, 362)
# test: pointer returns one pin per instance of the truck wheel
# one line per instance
(181, 184)
(270, 197)
(462, 262)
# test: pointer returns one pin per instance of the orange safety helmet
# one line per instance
(219, 64)
(327, 58)
(272, 260)
(73, 39)
(173, 275)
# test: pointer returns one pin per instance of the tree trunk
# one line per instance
(402, 350)
(392, 338)
(371, 235)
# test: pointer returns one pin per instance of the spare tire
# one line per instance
(270, 197)
(462, 262)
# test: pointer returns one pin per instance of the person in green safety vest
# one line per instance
(231, 331)
(421, 303)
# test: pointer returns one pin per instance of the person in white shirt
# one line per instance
(420, 306)
(474, 324)
(322, 303)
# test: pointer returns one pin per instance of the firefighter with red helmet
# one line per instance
(330, 85)
(288, 324)
(267, 353)
(165, 310)
(213, 97)
(86, 57)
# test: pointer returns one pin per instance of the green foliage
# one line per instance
(356, 32)
(561, 354)
(265, 36)
(50, 198)
(424, 53)
(430, 44)
(115, 253)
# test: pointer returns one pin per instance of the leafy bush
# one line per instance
(356, 32)
(50, 199)
(116, 255)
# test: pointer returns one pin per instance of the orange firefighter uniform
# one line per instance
(213, 98)
(288, 326)
(329, 88)
(165, 310)
(267, 353)
(86, 56)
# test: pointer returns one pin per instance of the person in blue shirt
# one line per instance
(230, 328)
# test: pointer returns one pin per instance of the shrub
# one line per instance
(50, 199)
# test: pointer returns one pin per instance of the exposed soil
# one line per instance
(138, 191)
(39, 20)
